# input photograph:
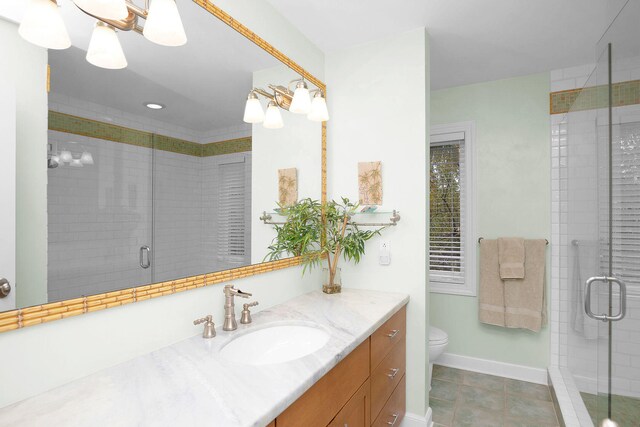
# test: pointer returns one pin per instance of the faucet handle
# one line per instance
(209, 326)
(246, 314)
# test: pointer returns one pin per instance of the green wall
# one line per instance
(513, 199)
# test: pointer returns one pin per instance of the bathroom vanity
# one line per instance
(357, 378)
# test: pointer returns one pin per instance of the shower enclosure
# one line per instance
(599, 232)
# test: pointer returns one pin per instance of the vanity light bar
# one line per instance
(297, 102)
(43, 26)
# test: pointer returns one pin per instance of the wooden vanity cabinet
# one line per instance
(367, 388)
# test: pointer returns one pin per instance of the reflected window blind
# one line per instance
(231, 248)
(625, 209)
(447, 208)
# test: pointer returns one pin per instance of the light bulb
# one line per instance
(273, 118)
(43, 25)
(76, 163)
(107, 9)
(104, 48)
(253, 109)
(319, 112)
(163, 25)
(86, 158)
(301, 103)
(66, 156)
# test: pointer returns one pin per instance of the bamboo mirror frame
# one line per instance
(34, 315)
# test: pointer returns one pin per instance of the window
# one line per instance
(232, 211)
(625, 227)
(451, 250)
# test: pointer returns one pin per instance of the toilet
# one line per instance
(438, 340)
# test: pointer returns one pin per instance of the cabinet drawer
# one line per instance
(393, 411)
(320, 404)
(387, 335)
(385, 378)
(357, 411)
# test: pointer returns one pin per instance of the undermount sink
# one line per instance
(275, 344)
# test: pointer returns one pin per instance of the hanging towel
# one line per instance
(521, 303)
(525, 303)
(511, 257)
(491, 292)
(585, 265)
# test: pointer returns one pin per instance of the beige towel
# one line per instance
(491, 292)
(525, 299)
(522, 302)
(511, 257)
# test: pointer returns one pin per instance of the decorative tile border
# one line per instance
(35, 315)
(67, 123)
(593, 97)
(238, 145)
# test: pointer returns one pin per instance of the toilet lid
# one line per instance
(437, 336)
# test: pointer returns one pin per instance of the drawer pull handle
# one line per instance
(394, 372)
(393, 333)
(395, 418)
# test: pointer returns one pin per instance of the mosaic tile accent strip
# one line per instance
(589, 98)
(239, 145)
(95, 129)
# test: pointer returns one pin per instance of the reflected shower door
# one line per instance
(100, 216)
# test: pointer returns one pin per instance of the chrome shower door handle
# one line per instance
(623, 298)
(5, 287)
(144, 249)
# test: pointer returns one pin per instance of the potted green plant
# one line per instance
(317, 231)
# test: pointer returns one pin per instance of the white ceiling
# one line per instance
(203, 84)
(471, 40)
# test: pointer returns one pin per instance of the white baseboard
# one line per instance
(413, 420)
(492, 367)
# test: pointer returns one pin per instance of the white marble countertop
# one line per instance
(191, 384)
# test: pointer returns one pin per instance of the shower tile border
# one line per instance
(594, 97)
(76, 125)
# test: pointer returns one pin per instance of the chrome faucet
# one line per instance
(230, 323)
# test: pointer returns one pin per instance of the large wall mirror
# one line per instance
(148, 173)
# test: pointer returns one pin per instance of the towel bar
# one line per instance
(480, 238)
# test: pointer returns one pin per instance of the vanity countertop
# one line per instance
(190, 384)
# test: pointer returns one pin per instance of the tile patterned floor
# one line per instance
(625, 410)
(462, 398)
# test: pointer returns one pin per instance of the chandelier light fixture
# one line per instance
(43, 26)
(297, 101)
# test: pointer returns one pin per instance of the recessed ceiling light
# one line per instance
(154, 105)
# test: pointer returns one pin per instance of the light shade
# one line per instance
(253, 110)
(301, 103)
(163, 25)
(273, 118)
(86, 158)
(104, 48)
(65, 156)
(108, 9)
(76, 163)
(319, 112)
(43, 26)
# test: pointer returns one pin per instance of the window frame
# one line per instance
(469, 287)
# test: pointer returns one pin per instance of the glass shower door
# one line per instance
(603, 226)
(100, 216)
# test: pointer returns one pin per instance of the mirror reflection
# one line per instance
(152, 174)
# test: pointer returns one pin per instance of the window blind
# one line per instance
(625, 209)
(447, 208)
(231, 250)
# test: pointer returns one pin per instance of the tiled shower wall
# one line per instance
(575, 217)
(101, 214)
